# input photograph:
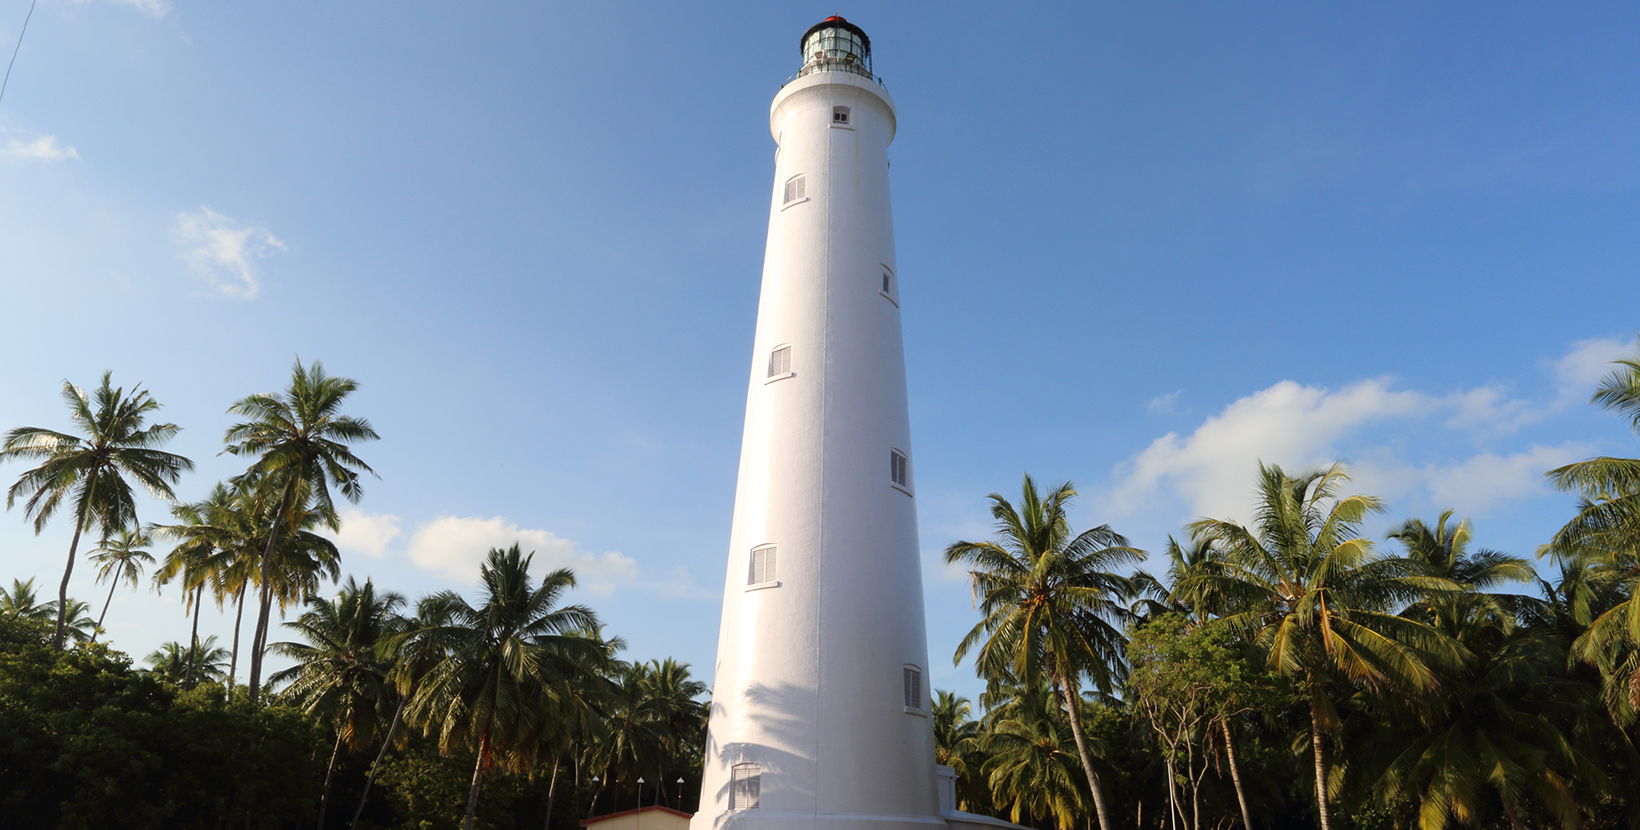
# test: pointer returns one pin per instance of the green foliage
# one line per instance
(89, 743)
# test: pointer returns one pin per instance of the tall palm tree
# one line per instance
(22, 602)
(1307, 590)
(343, 671)
(1606, 532)
(91, 470)
(120, 558)
(173, 661)
(1031, 764)
(1443, 550)
(300, 440)
(489, 687)
(1051, 604)
(198, 536)
(957, 744)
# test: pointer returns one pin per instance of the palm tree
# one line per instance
(22, 603)
(490, 685)
(91, 471)
(957, 738)
(343, 669)
(299, 440)
(173, 661)
(1031, 767)
(121, 558)
(1306, 589)
(1444, 552)
(1606, 532)
(78, 626)
(1050, 604)
(190, 560)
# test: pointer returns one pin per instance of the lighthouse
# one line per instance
(820, 702)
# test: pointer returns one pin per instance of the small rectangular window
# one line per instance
(885, 282)
(780, 362)
(839, 115)
(794, 189)
(744, 786)
(761, 568)
(897, 468)
(913, 688)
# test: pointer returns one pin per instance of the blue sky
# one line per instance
(1143, 246)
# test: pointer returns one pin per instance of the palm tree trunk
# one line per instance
(371, 778)
(1082, 750)
(324, 795)
(478, 778)
(62, 590)
(193, 643)
(233, 663)
(552, 787)
(106, 603)
(267, 598)
(1235, 774)
(1318, 744)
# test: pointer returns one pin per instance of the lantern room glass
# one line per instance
(835, 45)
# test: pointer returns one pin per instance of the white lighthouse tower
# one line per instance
(820, 704)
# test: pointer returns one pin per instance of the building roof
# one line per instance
(650, 809)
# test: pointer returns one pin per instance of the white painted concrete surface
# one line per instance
(810, 667)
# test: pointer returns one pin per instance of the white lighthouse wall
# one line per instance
(809, 673)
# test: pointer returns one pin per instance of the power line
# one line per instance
(17, 49)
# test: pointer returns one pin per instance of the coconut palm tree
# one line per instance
(1305, 588)
(91, 470)
(343, 671)
(120, 558)
(172, 661)
(1031, 759)
(23, 603)
(190, 561)
(1606, 533)
(1443, 550)
(957, 744)
(490, 686)
(1051, 604)
(300, 440)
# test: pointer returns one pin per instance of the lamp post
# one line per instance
(680, 793)
(594, 807)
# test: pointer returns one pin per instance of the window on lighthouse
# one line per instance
(744, 786)
(761, 569)
(794, 189)
(897, 468)
(839, 115)
(913, 687)
(780, 362)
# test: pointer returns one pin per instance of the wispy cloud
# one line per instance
(1165, 404)
(44, 148)
(157, 9)
(223, 250)
(1369, 422)
(456, 545)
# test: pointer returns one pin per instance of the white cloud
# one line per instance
(1581, 370)
(1487, 480)
(1165, 404)
(1303, 427)
(455, 545)
(157, 9)
(44, 148)
(1288, 424)
(224, 251)
(367, 533)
